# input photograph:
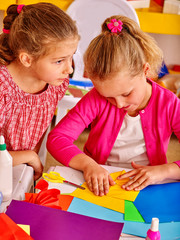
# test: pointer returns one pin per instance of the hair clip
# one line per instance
(20, 7)
(7, 31)
(115, 25)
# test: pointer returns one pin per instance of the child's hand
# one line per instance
(35, 162)
(29, 157)
(142, 176)
(98, 179)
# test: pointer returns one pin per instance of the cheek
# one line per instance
(112, 101)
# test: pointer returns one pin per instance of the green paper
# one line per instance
(131, 213)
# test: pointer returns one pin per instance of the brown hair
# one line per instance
(129, 50)
(33, 30)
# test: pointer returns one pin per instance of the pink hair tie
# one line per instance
(20, 7)
(115, 25)
(7, 31)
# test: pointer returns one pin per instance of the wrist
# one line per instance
(173, 171)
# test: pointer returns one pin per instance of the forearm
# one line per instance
(28, 157)
(20, 157)
(81, 162)
(173, 171)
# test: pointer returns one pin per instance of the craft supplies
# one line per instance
(6, 172)
(153, 233)
(56, 178)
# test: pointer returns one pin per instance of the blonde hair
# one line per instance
(129, 49)
(33, 30)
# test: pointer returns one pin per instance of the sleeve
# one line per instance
(175, 116)
(177, 162)
(176, 120)
(2, 105)
(61, 138)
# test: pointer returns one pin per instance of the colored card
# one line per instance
(50, 223)
(117, 191)
(65, 201)
(10, 230)
(161, 201)
(104, 201)
(114, 200)
(169, 231)
(131, 213)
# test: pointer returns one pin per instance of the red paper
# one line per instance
(10, 230)
(48, 197)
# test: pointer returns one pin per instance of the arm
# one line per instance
(61, 143)
(97, 178)
(142, 176)
(29, 157)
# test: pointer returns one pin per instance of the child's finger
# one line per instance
(128, 174)
(134, 182)
(106, 185)
(95, 187)
(89, 184)
(111, 181)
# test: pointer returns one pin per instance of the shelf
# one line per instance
(162, 23)
(5, 4)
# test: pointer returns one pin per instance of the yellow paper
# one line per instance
(117, 191)
(26, 228)
(114, 199)
(104, 201)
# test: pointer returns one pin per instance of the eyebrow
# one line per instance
(63, 56)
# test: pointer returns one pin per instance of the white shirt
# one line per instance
(129, 145)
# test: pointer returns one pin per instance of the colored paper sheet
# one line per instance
(10, 230)
(161, 201)
(50, 223)
(169, 231)
(114, 200)
(117, 191)
(65, 201)
(131, 213)
(26, 228)
(92, 210)
(104, 201)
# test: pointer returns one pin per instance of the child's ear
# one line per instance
(25, 59)
(146, 68)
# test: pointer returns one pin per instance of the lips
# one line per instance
(126, 107)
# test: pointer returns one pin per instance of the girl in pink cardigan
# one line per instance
(131, 117)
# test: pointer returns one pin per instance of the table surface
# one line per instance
(23, 181)
(76, 176)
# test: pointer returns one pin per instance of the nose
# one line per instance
(68, 69)
(119, 102)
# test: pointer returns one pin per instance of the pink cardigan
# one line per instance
(159, 119)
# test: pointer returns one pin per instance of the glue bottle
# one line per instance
(153, 233)
(6, 171)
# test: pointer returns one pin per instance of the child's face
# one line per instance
(56, 66)
(130, 93)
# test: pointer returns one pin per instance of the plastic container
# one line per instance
(153, 233)
(6, 171)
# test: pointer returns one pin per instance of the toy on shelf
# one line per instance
(171, 80)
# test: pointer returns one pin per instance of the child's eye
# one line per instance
(126, 95)
(58, 62)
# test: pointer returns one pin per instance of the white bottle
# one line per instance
(6, 171)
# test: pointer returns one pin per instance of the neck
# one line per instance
(145, 101)
(24, 79)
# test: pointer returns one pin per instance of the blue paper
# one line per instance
(169, 231)
(161, 201)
